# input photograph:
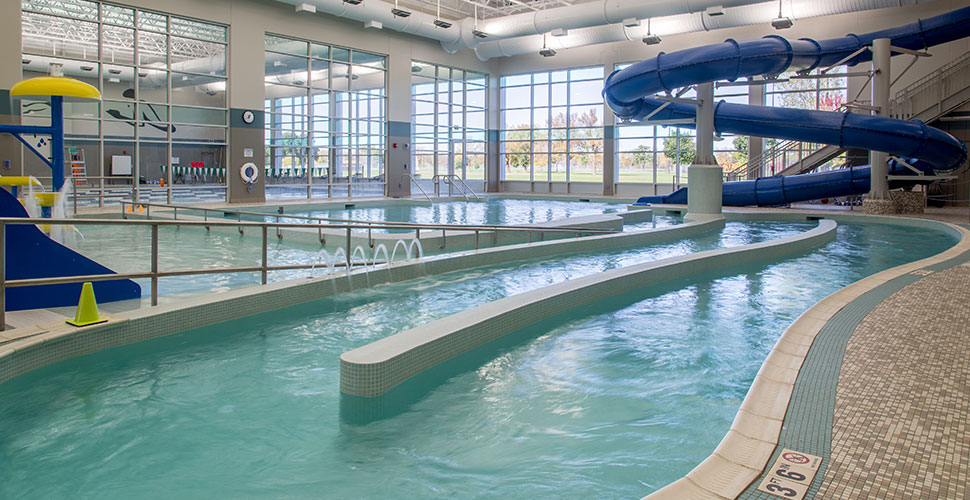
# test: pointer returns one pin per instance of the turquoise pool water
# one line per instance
(128, 249)
(612, 401)
(503, 211)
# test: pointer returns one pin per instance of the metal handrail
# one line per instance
(368, 223)
(927, 79)
(416, 183)
(263, 268)
(450, 178)
(897, 102)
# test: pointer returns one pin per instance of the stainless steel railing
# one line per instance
(418, 184)
(450, 179)
(154, 274)
(371, 225)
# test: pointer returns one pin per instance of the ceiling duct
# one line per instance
(584, 15)
(747, 15)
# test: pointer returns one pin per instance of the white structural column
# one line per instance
(879, 185)
(704, 177)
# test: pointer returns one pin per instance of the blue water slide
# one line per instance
(631, 94)
(32, 254)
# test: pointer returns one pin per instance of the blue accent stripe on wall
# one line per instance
(5, 108)
(236, 121)
(493, 136)
(609, 132)
(398, 129)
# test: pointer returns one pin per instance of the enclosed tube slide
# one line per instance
(630, 93)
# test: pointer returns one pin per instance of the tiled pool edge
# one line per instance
(736, 465)
(52, 342)
(374, 369)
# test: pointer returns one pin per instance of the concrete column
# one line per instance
(10, 73)
(609, 144)
(879, 186)
(246, 94)
(609, 157)
(397, 165)
(494, 169)
(704, 177)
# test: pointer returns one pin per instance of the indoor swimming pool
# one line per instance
(128, 249)
(613, 400)
(488, 211)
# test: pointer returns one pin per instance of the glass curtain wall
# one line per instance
(552, 126)
(657, 154)
(162, 121)
(795, 91)
(449, 133)
(325, 120)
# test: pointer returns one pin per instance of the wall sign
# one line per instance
(791, 474)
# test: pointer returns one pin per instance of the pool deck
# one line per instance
(882, 394)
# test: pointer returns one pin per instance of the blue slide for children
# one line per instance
(629, 92)
(32, 254)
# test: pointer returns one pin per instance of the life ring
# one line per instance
(249, 172)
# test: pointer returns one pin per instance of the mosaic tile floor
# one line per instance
(900, 424)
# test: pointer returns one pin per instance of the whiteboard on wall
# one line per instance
(120, 165)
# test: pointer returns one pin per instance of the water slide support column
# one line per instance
(704, 176)
(878, 201)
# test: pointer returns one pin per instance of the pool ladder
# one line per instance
(451, 179)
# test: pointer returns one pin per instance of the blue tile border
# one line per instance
(807, 425)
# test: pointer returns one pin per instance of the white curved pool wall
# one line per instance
(378, 367)
(25, 349)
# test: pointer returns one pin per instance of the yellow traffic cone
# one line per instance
(87, 308)
(141, 208)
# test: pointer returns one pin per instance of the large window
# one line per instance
(552, 126)
(658, 154)
(792, 91)
(325, 120)
(163, 83)
(449, 133)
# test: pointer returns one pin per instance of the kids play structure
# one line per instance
(631, 93)
(28, 252)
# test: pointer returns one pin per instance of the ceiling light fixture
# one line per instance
(477, 33)
(546, 51)
(631, 22)
(650, 39)
(87, 67)
(715, 10)
(559, 32)
(781, 22)
(399, 12)
(353, 2)
(438, 21)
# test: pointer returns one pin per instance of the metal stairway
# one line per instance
(928, 99)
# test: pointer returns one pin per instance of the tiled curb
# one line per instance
(783, 386)
(23, 351)
(374, 369)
